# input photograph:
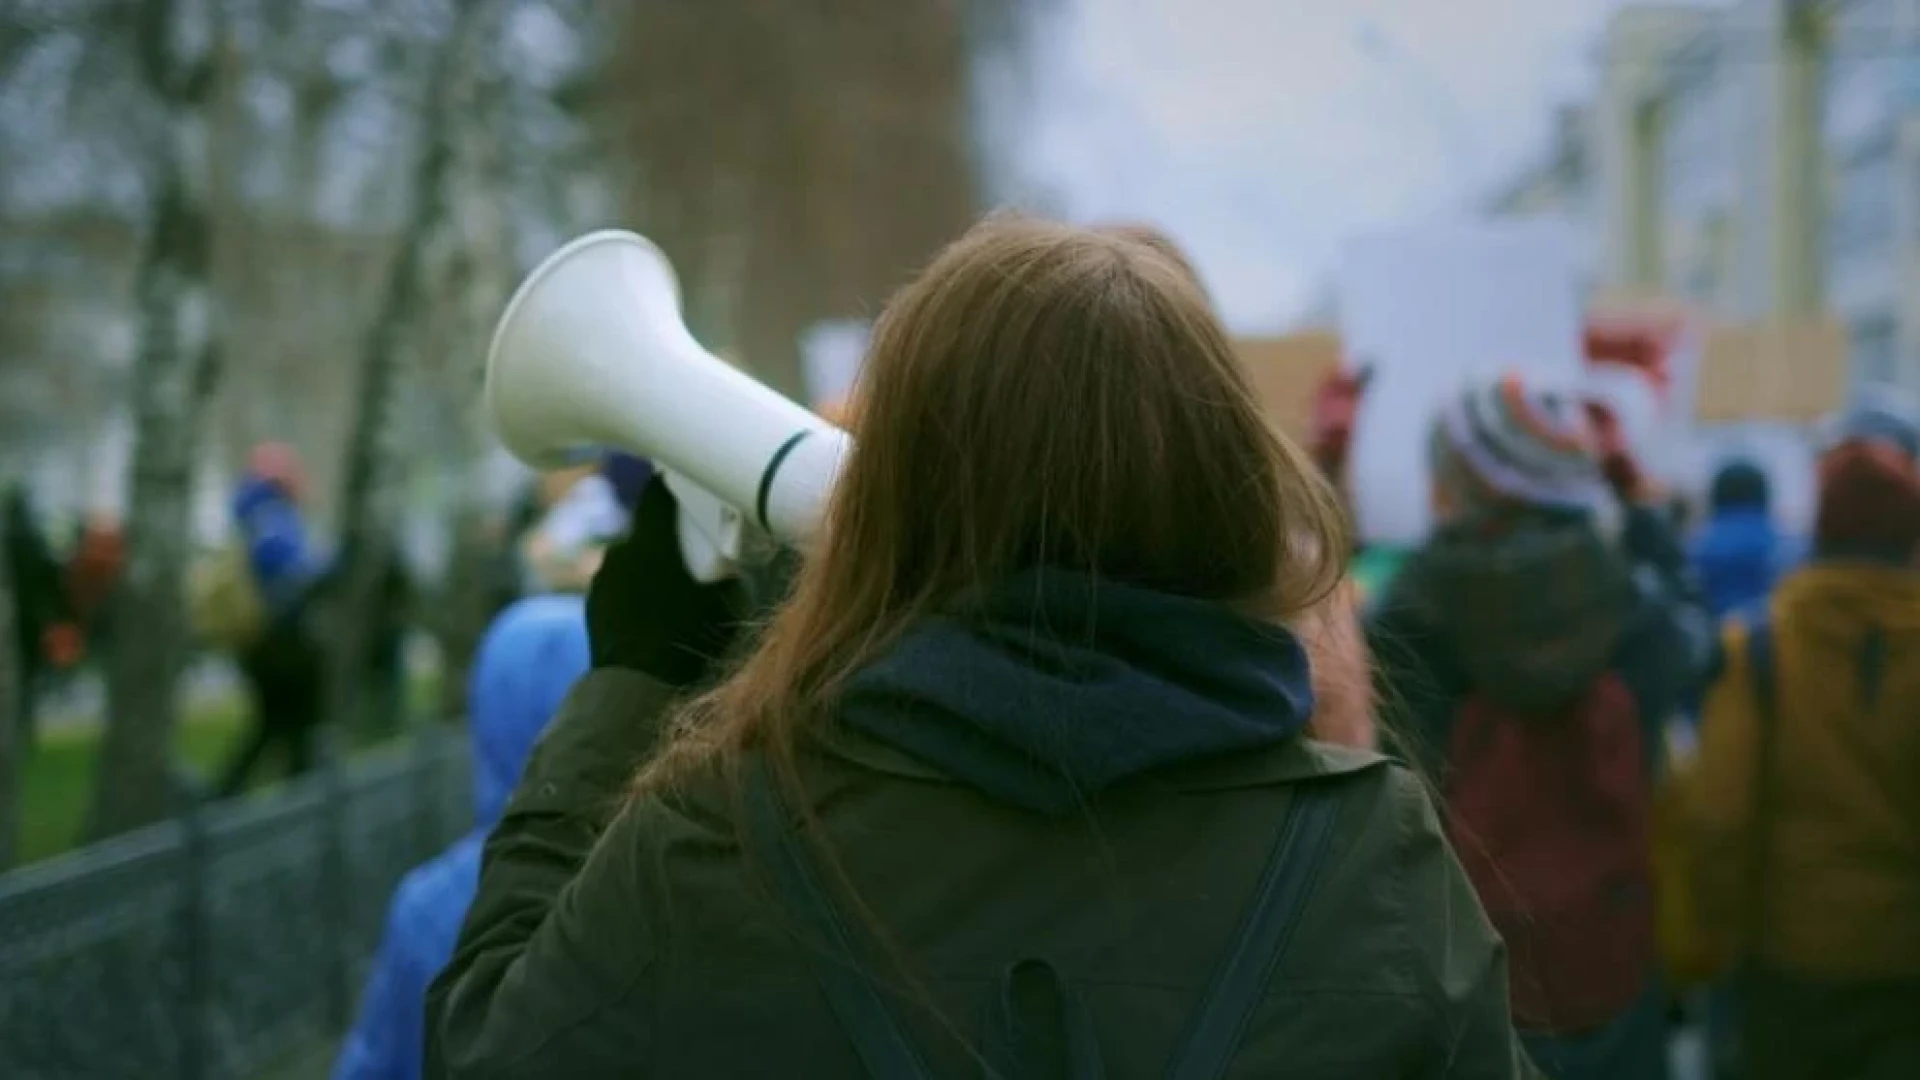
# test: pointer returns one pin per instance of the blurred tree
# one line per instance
(305, 235)
(797, 161)
(277, 267)
(12, 702)
(180, 45)
(470, 271)
(369, 516)
(71, 189)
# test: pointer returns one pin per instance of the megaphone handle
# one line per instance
(707, 544)
(705, 562)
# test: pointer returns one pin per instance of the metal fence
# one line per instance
(224, 942)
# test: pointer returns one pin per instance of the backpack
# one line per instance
(1551, 815)
(1038, 1024)
(224, 605)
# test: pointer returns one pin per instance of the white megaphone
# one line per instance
(592, 352)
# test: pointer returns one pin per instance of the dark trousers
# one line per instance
(27, 692)
(283, 673)
(1793, 1027)
(25, 705)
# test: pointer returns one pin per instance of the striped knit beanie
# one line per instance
(1503, 443)
(1878, 414)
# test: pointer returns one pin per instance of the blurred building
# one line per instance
(1870, 117)
(1562, 184)
(1758, 158)
(1628, 135)
(1711, 217)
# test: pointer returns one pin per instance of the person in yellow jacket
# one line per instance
(1803, 808)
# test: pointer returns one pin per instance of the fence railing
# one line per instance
(218, 944)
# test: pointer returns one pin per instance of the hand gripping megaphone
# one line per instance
(592, 352)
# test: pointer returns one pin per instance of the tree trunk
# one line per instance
(835, 140)
(174, 379)
(368, 516)
(12, 707)
(474, 284)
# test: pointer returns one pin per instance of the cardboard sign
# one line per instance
(1430, 308)
(1286, 373)
(1793, 371)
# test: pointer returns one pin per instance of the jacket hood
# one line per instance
(529, 659)
(274, 532)
(1530, 615)
(1044, 690)
(1737, 557)
(1840, 599)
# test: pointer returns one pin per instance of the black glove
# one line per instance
(645, 613)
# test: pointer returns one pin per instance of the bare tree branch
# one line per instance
(368, 520)
(173, 381)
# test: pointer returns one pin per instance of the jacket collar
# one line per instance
(1288, 762)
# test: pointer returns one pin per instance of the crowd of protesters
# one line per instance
(1071, 748)
(256, 600)
(60, 614)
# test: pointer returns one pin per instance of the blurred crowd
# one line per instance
(1665, 742)
(262, 600)
(1064, 752)
(61, 613)
(1671, 757)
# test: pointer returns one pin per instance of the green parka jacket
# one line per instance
(632, 939)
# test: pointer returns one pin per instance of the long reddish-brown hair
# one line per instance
(1040, 394)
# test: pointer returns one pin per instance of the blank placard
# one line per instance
(1429, 308)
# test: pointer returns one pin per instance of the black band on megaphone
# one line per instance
(766, 477)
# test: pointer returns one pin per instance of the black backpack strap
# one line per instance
(1214, 1034)
(1764, 678)
(855, 997)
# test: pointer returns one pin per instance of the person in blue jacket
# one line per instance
(1739, 552)
(529, 659)
(269, 519)
(282, 665)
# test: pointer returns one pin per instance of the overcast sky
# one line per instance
(1262, 132)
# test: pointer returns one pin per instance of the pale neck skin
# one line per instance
(1341, 670)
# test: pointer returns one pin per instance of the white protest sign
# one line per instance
(1430, 308)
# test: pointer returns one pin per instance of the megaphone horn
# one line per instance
(592, 351)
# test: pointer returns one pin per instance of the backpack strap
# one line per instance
(1019, 1049)
(1213, 1036)
(1766, 710)
(855, 997)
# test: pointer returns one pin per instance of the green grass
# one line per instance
(57, 775)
